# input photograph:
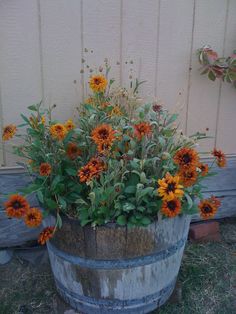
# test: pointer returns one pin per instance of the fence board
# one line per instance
(102, 36)
(203, 99)
(61, 55)
(174, 54)
(20, 76)
(226, 127)
(140, 43)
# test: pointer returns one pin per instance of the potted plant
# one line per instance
(121, 182)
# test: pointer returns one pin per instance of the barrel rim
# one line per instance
(118, 263)
(114, 225)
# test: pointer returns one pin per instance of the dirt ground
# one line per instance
(207, 278)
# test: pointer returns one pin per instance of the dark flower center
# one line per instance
(207, 209)
(73, 149)
(86, 172)
(171, 187)
(171, 205)
(16, 205)
(31, 217)
(8, 129)
(188, 175)
(97, 81)
(186, 158)
(142, 129)
(103, 134)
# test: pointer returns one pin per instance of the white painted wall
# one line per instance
(42, 43)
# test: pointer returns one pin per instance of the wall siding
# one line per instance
(43, 43)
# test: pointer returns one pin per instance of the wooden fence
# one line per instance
(43, 42)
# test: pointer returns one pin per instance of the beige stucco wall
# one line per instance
(42, 43)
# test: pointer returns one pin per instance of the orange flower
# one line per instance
(208, 207)
(58, 131)
(204, 169)
(98, 83)
(46, 234)
(86, 173)
(142, 129)
(220, 158)
(186, 157)
(93, 169)
(188, 176)
(171, 208)
(97, 165)
(105, 104)
(103, 134)
(104, 149)
(45, 169)
(16, 206)
(169, 188)
(8, 132)
(215, 201)
(33, 217)
(73, 151)
(69, 125)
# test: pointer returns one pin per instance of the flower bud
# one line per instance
(165, 156)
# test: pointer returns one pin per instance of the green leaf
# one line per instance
(33, 108)
(55, 182)
(40, 196)
(68, 137)
(51, 204)
(25, 119)
(145, 221)
(130, 189)
(59, 221)
(121, 220)
(232, 75)
(85, 222)
(71, 171)
(141, 208)
(128, 207)
(211, 76)
(62, 202)
(189, 200)
(172, 119)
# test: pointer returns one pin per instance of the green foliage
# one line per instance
(215, 67)
(124, 189)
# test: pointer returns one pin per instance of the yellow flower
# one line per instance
(43, 120)
(116, 111)
(8, 132)
(69, 125)
(58, 131)
(169, 188)
(98, 83)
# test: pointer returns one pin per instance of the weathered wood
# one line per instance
(223, 186)
(135, 280)
(14, 232)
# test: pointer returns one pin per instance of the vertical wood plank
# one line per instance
(2, 159)
(20, 78)
(203, 97)
(226, 127)
(176, 23)
(139, 43)
(102, 36)
(61, 55)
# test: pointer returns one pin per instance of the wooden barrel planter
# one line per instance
(115, 269)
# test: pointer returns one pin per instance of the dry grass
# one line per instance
(208, 278)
